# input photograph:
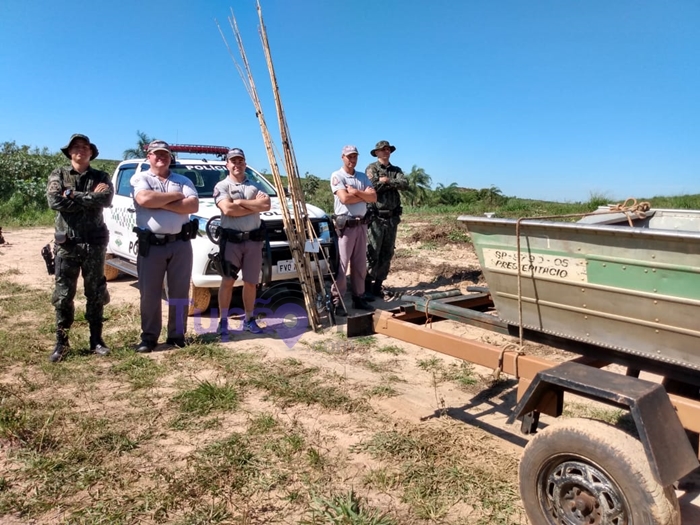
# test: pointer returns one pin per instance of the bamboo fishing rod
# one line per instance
(292, 169)
(296, 242)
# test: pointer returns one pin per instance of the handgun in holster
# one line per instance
(190, 230)
(340, 222)
(218, 260)
(47, 254)
(144, 240)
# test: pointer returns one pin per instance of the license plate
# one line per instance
(287, 266)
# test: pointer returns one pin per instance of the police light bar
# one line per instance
(192, 148)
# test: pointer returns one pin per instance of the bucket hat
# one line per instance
(76, 136)
(380, 145)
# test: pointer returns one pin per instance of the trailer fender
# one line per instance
(666, 445)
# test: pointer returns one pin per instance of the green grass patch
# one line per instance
(439, 465)
(391, 349)
(460, 373)
(345, 509)
(207, 397)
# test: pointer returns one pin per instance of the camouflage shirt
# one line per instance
(388, 197)
(79, 215)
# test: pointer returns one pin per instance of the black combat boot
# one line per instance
(377, 289)
(61, 347)
(367, 296)
(359, 303)
(97, 345)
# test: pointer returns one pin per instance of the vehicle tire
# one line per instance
(201, 298)
(583, 471)
(111, 272)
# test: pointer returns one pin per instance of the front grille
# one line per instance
(275, 229)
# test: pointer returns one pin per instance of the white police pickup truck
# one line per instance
(278, 264)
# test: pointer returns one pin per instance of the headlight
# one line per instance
(324, 231)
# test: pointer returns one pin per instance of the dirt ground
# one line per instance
(421, 265)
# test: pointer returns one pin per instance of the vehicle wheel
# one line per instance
(111, 272)
(582, 471)
(281, 293)
(201, 297)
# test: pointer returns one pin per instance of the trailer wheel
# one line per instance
(583, 471)
(111, 272)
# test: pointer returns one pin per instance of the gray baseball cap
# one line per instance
(349, 150)
(235, 152)
(158, 145)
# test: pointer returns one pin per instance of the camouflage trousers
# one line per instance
(381, 242)
(70, 261)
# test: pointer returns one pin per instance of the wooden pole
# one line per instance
(295, 234)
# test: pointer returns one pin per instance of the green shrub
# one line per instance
(23, 175)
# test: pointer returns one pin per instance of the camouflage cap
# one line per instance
(65, 149)
(349, 150)
(158, 145)
(235, 152)
(381, 145)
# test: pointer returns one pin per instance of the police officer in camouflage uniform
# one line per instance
(387, 180)
(79, 193)
(163, 200)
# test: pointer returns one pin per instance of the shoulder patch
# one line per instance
(216, 192)
(334, 181)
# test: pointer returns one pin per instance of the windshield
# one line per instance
(204, 176)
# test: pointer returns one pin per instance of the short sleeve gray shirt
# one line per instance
(231, 189)
(342, 180)
(159, 220)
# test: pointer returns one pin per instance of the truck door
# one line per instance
(121, 218)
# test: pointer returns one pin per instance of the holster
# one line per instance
(189, 231)
(47, 254)
(340, 221)
(222, 266)
(144, 240)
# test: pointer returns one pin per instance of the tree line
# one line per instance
(24, 171)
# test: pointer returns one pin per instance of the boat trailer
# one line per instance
(667, 420)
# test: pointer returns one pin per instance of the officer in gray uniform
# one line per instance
(79, 193)
(163, 201)
(241, 239)
(352, 190)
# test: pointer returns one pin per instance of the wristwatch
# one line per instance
(68, 193)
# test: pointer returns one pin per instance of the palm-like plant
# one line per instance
(448, 195)
(139, 152)
(418, 186)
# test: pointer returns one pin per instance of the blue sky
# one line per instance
(551, 99)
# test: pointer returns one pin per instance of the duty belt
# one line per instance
(236, 236)
(386, 214)
(165, 238)
(348, 221)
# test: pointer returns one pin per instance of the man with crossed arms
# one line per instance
(240, 203)
(352, 190)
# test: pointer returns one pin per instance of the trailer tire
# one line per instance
(582, 471)
(111, 272)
